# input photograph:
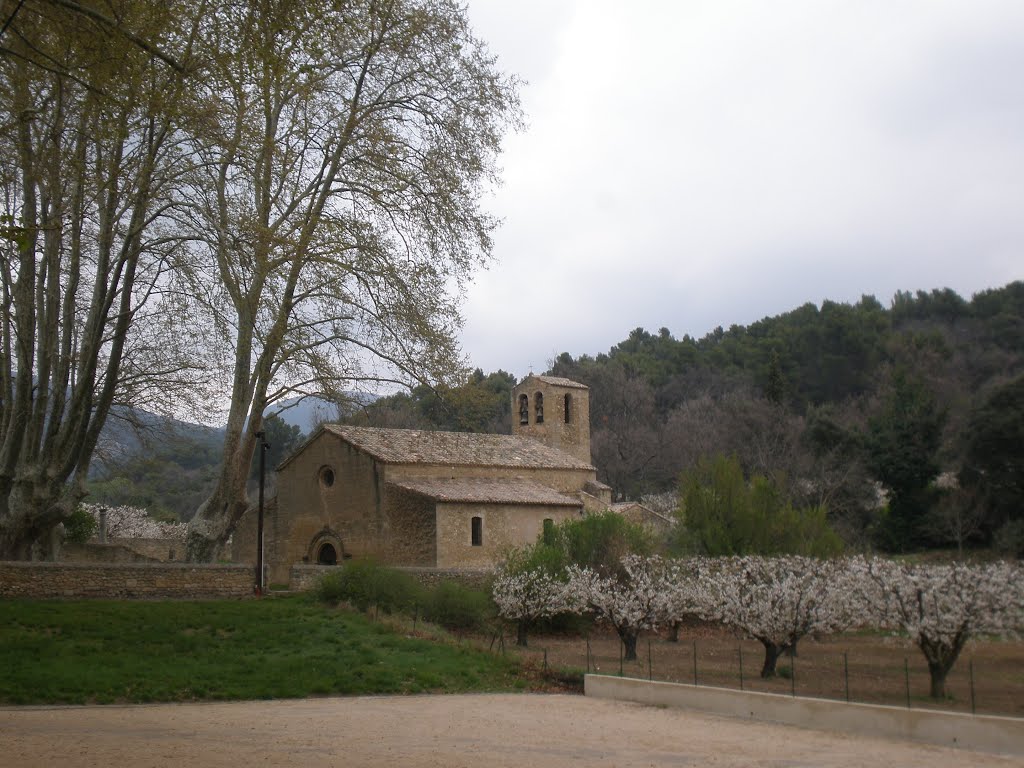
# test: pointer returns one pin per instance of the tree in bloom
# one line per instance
(684, 591)
(632, 601)
(779, 600)
(133, 523)
(941, 606)
(525, 596)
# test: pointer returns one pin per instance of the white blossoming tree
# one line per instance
(779, 600)
(684, 591)
(631, 602)
(526, 596)
(941, 606)
(134, 523)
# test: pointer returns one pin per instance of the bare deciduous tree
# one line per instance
(90, 156)
(338, 210)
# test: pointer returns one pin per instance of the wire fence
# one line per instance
(987, 679)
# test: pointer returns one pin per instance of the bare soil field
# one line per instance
(513, 730)
(869, 668)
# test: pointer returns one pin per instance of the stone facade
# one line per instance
(124, 580)
(554, 411)
(430, 499)
(637, 513)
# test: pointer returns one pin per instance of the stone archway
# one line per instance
(326, 548)
(327, 554)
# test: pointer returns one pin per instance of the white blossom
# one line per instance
(126, 522)
(780, 600)
(633, 601)
(533, 594)
(941, 606)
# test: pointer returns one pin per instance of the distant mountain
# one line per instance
(307, 413)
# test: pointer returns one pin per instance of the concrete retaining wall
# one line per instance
(124, 580)
(951, 729)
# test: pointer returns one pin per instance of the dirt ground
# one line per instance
(867, 668)
(520, 731)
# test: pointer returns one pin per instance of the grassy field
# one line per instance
(104, 652)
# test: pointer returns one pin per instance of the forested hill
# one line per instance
(838, 398)
(814, 355)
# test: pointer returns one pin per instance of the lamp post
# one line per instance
(263, 446)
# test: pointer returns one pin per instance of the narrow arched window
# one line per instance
(568, 409)
(477, 531)
(524, 409)
(538, 402)
(548, 534)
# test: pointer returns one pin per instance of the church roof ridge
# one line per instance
(479, 490)
(558, 381)
(418, 446)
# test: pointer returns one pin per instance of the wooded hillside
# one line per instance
(906, 422)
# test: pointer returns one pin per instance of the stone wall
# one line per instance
(124, 551)
(124, 580)
(304, 577)
(503, 527)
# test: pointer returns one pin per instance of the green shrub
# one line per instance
(458, 608)
(366, 583)
(80, 527)
(329, 589)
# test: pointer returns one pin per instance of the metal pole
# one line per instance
(906, 678)
(622, 652)
(694, 662)
(970, 666)
(792, 677)
(739, 649)
(846, 673)
(588, 653)
(545, 661)
(263, 446)
(650, 661)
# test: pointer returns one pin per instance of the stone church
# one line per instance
(432, 499)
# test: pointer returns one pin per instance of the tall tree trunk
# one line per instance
(521, 628)
(673, 631)
(629, 638)
(772, 651)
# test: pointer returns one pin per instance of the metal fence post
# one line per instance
(970, 667)
(650, 661)
(792, 677)
(846, 674)
(906, 678)
(695, 662)
(739, 648)
(588, 653)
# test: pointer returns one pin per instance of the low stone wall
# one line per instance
(985, 733)
(124, 580)
(304, 577)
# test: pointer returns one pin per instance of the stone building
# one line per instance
(432, 499)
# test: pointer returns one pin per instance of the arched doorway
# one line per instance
(327, 554)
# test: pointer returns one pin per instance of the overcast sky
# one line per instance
(691, 164)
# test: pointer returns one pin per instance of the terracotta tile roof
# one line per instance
(487, 491)
(414, 446)
(558, 381)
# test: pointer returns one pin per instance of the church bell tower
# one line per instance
(553, 411)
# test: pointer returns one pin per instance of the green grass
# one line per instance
(104, 652)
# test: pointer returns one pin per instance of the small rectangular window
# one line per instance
(478, 531)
